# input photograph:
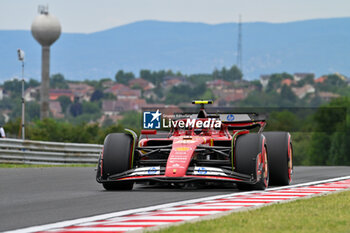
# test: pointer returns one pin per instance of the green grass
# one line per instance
(9, 165)
(329, 213)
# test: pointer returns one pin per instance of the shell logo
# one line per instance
(182, 148)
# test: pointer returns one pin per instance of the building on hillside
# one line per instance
(122, 91)
(115, 107)
(181, 78)
(218, 84)
(287, 82)
(115, 88)
(166, 110)
(4, 93)
(300, 76)
(230, 95)
(241, 83)
(342, 77)
(141, 83)
(6, 114)
(321, 79)
(171, 81)
(301, 92)
(56, 109)
(114, 118)
(32, 94)
(54, 94)
(128, 94)
(108, 83)
(81, 90)
(150, 94)
(327, 96)
(264, 80)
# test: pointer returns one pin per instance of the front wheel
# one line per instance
(117, 157)
(251, 159)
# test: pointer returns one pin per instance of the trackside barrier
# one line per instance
(41, 152)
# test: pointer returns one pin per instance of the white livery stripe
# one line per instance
(233, 204)
(269, 197)
(103, 229)
(151, 217)
(186, 212)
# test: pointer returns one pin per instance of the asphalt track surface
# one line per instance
(36, 196)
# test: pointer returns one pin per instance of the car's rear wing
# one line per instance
(226, 117)
(231, 120)
(241, 117)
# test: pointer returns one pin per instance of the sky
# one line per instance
(86, 16)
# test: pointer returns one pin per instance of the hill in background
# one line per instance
(319, 46)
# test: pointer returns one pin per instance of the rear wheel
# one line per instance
(117, 152)
(279, 146)
(251, 159)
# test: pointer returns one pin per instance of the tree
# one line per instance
(309, 79)
(335, 80)
(131, 120)
(109, 96)
(234, 73)
(90, 108)
(65, 101)
(33, 83)
(183, 93)
(329, 143)
(124, 78)
(156, 77)
(288, 94)
(57, 81)
(14, 86)
(96, 95)
(32, 110)
(275, 81)
(216, 74)
(2, 119)
(107, 122)
(76, 109)
(147, 75)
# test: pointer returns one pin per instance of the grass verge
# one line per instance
(329, 213)
(9, 165)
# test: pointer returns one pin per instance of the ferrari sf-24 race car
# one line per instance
(222, 152)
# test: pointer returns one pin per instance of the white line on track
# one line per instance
(48, 227)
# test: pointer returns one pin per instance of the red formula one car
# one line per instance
(200, 148)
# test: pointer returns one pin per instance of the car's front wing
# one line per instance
(194, 174)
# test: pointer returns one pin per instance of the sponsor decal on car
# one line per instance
(230, 117)
(192, 123)
(152, 171)
(153, 120)
(202, 170)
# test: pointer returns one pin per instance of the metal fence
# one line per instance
(40, 152)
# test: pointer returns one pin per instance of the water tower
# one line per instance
(45, 29)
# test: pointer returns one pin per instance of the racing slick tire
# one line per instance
(251, 159)
(279, 146)
(117, 159)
